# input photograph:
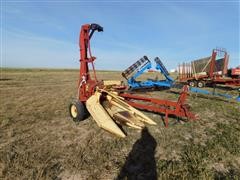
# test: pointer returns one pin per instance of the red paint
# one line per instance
(236, 72)
(178, 109)
(210, 77)
(86, 85)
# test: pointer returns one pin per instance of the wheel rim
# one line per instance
(74, 111)
(200, 84)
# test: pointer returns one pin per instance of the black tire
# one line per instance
(200, 84)
(192, 83)
(77, 110)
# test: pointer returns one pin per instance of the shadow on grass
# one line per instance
(5, 79)
(140, 163)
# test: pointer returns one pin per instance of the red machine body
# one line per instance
(178, 108)
(235, 71)
(86, 85)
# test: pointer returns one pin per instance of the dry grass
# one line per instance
(38, 140)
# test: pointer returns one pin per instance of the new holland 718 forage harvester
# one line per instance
(108, 109)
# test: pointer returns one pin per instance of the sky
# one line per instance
(45, 34)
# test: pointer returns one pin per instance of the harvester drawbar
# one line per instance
(177, 109)
(110, 108)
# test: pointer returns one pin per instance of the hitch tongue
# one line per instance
(110, 112)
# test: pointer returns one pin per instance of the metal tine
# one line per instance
(158, 61)
(144, 60)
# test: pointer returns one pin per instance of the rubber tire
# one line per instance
(200, 84)
(192, 83)
(80, 110)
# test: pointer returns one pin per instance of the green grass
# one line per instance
(38, 139)
(195, 158)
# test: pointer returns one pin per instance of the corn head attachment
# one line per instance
(110, 111)
(107, 109)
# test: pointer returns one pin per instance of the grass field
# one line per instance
(38, 139)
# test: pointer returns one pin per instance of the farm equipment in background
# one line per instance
(214, 93)
(208, 71)
(234, 72)
(139, 67)
(142, 65)
(101, 99)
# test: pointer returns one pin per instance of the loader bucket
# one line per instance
(110, 112)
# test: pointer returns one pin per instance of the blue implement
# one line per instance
(202, 91)
(139, 67)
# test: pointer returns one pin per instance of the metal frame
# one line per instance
(210, 77)
(213, 93)
(137, 69)
(86, 85)
(178, 109)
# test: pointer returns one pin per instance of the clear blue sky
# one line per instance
(45, 33)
